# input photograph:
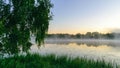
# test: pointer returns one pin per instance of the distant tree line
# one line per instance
(88, 35)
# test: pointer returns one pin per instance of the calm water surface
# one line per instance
(109, 50)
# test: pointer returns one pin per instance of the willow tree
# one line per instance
(19, 21)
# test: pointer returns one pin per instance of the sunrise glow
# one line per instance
(85, 16)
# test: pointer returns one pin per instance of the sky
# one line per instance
(81, 16)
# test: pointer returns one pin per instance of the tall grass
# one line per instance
(50, 61)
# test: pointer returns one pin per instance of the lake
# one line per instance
(109, 50)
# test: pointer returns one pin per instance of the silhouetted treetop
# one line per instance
(88, 35)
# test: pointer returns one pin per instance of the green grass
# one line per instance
(50, 61)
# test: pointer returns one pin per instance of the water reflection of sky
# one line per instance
(92, 50)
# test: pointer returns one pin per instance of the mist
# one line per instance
(88, 35)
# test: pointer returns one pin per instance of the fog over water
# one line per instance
(109, 50)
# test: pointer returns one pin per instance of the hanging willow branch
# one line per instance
(21, 19)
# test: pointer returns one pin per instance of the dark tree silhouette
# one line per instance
(21, 19)
(88, 35)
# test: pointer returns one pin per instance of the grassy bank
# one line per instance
(37, 61)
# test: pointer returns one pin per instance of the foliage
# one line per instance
(50, 61)
(21, 19)
(88, 35)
